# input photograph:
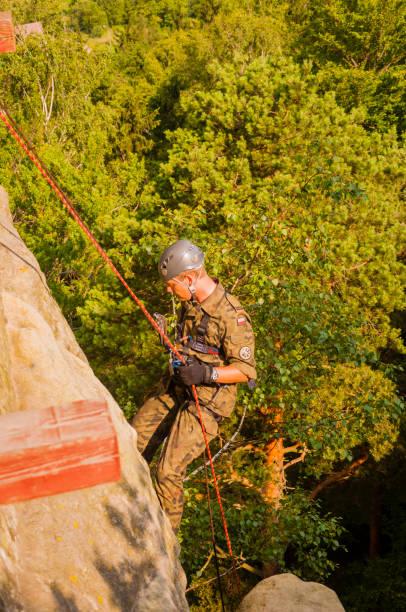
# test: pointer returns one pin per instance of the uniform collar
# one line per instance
(211, 303)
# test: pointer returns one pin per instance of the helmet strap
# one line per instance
(192, 289)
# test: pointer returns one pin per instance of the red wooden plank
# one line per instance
(57, 449)
(7, 39)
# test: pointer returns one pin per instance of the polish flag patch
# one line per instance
(241, 321)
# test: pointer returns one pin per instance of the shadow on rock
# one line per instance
(64, 603)
(7, 601)
(134, 523)
(132, 581)
(117, 521)
(126, 580)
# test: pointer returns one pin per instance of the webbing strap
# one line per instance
(33, 155)
(202, 327)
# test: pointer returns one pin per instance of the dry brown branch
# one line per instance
(45, 109)
(291, 449)
(206, 564)
(251, 569)
(197, 586)
(252, 449)
(346, 270)
(297, 459)
(338, 475)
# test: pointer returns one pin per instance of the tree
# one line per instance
(262, 150)
(369, 34)
(359, 51)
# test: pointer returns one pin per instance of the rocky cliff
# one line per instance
(105, 548)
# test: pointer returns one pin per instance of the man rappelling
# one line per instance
(214, 335)
(215, 352)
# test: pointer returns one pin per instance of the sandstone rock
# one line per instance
(106, 548)
(287, 593)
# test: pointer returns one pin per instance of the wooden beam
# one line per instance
(7, 39)
(57, 449)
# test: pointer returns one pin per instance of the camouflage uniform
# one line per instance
(169, 412)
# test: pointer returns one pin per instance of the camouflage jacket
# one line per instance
(229, 329)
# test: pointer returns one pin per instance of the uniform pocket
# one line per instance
(209, 422)
(205, 393)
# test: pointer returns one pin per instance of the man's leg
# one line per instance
(153, 422)
(184, 443)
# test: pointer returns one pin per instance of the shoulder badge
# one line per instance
(245, 352)
(241, 321)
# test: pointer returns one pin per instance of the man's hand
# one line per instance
(193, 374)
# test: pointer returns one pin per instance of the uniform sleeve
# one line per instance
(239, 343)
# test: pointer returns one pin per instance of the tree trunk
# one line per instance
(273, 489)
(274, 486)
(375, 522)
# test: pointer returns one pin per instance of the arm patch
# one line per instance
(245, 352)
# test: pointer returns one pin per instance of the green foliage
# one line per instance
(378, 585)
(366, 33)
(382, 95)
(296, 537)
(88, 16)
(253, 148)
(359, 50)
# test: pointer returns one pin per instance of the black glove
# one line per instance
(193, 374)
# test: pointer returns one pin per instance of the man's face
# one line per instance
(182, 292)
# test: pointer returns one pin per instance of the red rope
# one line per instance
(7, 120)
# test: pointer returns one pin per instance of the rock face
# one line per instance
(107, 548)
(287, 593)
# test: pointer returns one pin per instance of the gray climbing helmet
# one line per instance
(182, 255)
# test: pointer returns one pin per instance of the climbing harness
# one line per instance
(199, 344)
(33, 155)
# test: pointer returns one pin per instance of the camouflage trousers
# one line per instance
(171, 416)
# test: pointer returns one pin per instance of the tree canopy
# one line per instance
(272, 135)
